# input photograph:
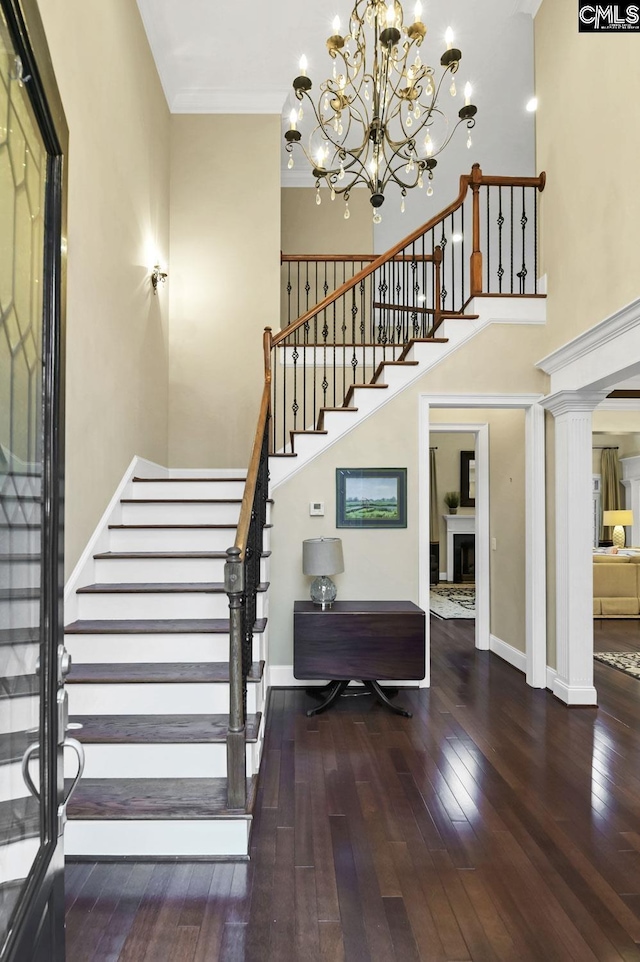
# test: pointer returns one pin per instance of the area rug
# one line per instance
(626, 661)
(453, 601)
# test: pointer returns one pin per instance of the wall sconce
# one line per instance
(157, 276)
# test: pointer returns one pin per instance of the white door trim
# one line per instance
(535, 575)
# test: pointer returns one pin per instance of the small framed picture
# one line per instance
(371, 497)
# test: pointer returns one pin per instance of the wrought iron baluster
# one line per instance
(295, 357)
(511, 241)
(463, 259)
(443, 292)
(522, 273)
(535, 240)
(298, 292)
(334, 336)
(354, 356)
(307, 288)
(289, 289)
(488, 189)
(453, 264)
(500, 225)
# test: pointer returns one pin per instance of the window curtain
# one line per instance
(434, 519)
(610, 487)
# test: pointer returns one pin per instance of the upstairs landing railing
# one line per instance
(343, 339)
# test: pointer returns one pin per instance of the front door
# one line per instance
(32, 657)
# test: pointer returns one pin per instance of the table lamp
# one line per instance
(322, 557)
(615, 520)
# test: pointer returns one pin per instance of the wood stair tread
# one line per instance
(145, 555)
(108, 799)
(157, 673)
(13, 745)
(160, 626)
(19, 686)
(155, 729)
(19, 819)
(19, 636)
(19, 594)
(135, 588)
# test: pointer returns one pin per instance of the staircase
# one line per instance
(149, 683)
(167, 687)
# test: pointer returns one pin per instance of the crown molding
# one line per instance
(573, 402)
(592, 340)
(300, 177)
(213, 100)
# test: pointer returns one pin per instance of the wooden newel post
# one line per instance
(476, 256)
(236, 752)
(267, 345)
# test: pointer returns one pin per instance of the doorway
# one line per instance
(32, 665)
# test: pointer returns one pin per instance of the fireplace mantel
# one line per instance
(457, 524)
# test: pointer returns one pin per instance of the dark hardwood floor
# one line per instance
(496, 824)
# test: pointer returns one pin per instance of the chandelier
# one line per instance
(378, 120)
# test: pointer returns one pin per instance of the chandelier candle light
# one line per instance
(377, 120)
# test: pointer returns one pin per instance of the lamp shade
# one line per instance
(611, 518)
(322, 556)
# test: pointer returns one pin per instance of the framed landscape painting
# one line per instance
(371, 497)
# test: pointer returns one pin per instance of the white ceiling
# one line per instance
(221, 56)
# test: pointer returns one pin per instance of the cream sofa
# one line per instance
(616, 586)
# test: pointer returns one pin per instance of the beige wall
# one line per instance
(590, 209)
(382, 563)
(311, 229)
(225, 253)
(118, 223)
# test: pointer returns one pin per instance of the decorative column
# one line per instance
(574, 563)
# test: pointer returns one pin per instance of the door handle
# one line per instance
(76, 746)
(33, 749)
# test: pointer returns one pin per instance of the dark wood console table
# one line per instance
(370, 641)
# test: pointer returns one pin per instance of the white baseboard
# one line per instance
(281, 676)
(442, 575)
(510, 654)
(82, 574)
(552, 674)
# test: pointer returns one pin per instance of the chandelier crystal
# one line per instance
(378, 119)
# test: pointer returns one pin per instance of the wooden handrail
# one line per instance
(374, 265)
(346, 258)
(476, 178)
(242, 531)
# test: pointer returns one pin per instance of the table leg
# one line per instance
(335, 690)
(382, 697)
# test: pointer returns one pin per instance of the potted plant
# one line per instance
(452, 501)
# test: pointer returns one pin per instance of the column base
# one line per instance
(575, 696)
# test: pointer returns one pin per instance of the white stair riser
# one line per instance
(150, 605)
(144, 649)
(185, 490)
(19, 613)
(19, 541)
(19, 714)
(11, 782)
(156, 699)
(150, 570)
(155, 761)
(18, 659)
(157, 513)
(149, 837)
(19, 574)
(17, 859)
(172, 539)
